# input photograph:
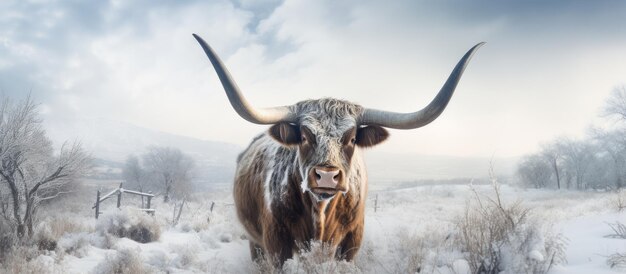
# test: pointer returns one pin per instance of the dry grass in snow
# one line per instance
(426, 229)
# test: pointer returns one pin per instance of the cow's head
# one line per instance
(326, 132)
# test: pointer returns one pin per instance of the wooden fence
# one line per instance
(119, 191)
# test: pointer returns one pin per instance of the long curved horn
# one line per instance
(262, 116)
(426, 115)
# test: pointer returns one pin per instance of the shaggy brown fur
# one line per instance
(277, 197)
(292, 224)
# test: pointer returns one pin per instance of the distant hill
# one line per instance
(110, 142)
(384, 167)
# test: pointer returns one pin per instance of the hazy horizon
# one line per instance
(545, 71)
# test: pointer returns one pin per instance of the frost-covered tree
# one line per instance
(553, 155)
(601, 173)
(30, 171)
(535, 171)
(172, 168)
(613, 144)
(616, 103)
(598, 161)
(134, 175)
(579, 157)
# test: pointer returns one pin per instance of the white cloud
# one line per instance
(540, 75)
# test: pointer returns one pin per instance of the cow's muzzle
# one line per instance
(326, 181)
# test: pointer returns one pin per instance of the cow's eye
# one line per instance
(353, 141)
(303, 138)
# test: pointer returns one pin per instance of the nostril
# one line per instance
(317, 176)
(336, 177)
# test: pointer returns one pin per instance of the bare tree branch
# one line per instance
(29, 167)
(172, 168)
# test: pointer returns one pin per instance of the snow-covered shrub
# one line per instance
(496, 237)
(320, 258)
(102, 239)
(186, 255)
(226, 238)
(416, 253)
(223, 230)
(124, 261)
(201, 224)
(184, 227)
(209, 239)
(216, 264)
(422, 249)
(200, 220)
(134, 225)
(75, 244)
(161, 261)
(409, 251)
(144, 232)
(114, 222)
(7, 238)
(617, 260)
(43, 237)
(29, 260)
(619, 200)
(196, 215)
(367, 259)
(619, 230)
(49, 231)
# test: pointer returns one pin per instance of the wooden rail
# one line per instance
(119, 191)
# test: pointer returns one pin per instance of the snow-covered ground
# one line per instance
(409, 227)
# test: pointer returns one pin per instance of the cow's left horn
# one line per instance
(427, 114)
(240, 104)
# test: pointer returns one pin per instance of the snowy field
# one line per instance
(412, 230)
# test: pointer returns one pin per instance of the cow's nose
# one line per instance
(327, 178)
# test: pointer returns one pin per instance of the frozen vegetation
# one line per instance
(425, 229)
(564, 215)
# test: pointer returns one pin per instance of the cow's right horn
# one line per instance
(426, 115)
(240, 104)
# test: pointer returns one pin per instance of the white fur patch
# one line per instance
(304, 185)
(271, 148)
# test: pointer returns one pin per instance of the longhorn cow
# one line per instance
(304, 179)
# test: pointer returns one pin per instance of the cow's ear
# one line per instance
(369, 136)
(285, 133)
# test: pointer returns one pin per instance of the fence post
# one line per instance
(149, 199)
(119, 196)
(97, 203)
(212, 205)
(376, 203)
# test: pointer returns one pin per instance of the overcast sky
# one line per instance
(545, 71)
